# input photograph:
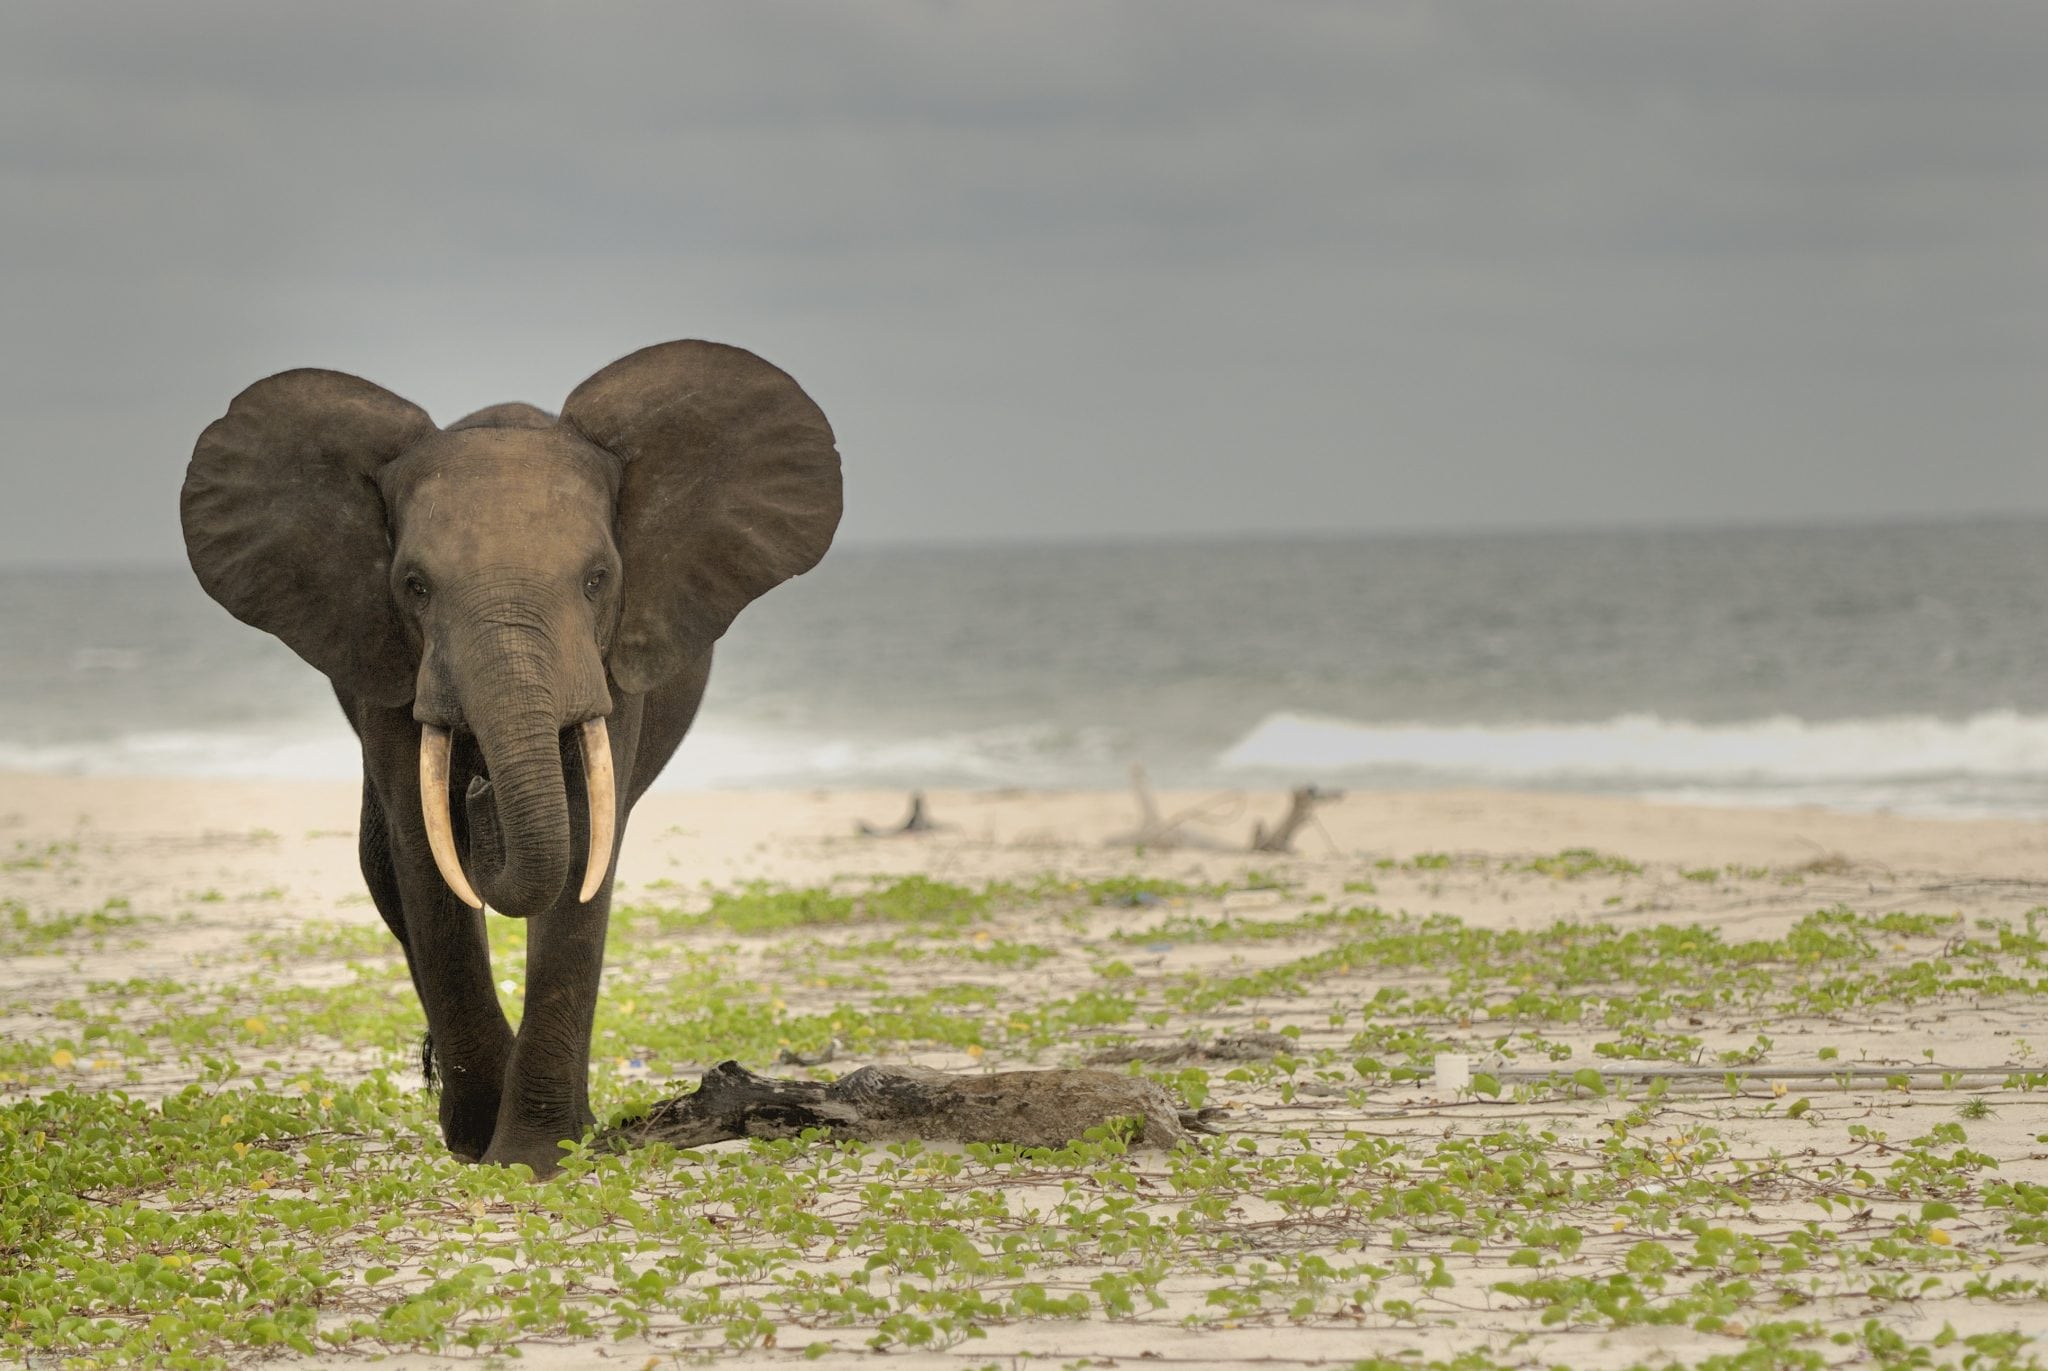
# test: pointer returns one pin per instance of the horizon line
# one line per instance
(1166, 538)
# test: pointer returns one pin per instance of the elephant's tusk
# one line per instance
(434, 805)
(599, 782)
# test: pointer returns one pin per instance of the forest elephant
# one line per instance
(517, 614)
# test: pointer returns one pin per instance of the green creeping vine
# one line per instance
(1666, 1126)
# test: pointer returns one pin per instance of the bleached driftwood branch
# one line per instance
(1167, 832)
(1158, 832)
(1300, 808)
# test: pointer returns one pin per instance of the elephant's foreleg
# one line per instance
(447, 948)
(471, 1039)
(547, 1097)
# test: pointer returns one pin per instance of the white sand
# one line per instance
(165, 844)
(797, 836)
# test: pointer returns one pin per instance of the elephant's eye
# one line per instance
(416, 586)
(594, 582)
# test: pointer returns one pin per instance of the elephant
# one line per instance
(516, 614)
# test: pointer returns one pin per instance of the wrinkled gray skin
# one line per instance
(507, 579)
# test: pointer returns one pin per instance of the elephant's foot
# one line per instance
(469, 1109)
(467, 1124)
(533, 1132)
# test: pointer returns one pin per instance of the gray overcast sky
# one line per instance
(1062, 270)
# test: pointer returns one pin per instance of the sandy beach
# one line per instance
(796, 836)
(205, 875)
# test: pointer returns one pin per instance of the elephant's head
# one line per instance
(505, 575)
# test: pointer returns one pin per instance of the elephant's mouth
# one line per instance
(599, 785)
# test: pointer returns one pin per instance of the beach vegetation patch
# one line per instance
(1575, 862)
(24, 932)
(1763, 1135)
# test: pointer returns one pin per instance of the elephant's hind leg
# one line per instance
(380, 874)
(373, 849)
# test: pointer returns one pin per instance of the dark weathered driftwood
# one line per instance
(892, 1103)
(1250, 1046)
(916, 822)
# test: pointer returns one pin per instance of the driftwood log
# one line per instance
(893, 1103)
(917, 822)
(1253, 1045)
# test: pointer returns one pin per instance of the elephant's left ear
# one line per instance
(731, 487)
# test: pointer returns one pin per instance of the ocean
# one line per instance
(1899, 667)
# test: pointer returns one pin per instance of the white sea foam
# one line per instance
(1031, 754)
(716, 754)
(1989, 763)
(309, 755)
(1998, 743)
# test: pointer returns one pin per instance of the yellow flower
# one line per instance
(1939, 1237)
(974, 1050)
(256, 1025)
(61, 1058)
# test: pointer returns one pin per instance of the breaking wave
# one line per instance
(715, 755)
(317, 755)
(1992, 762)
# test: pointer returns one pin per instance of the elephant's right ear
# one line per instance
(285, 525)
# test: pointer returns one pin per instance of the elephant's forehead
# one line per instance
(507, 466)
(499, 483)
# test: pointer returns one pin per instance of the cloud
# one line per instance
(1063, 269)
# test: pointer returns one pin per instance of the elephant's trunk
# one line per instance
(508, 677)
(519, 832)
(487, 842)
